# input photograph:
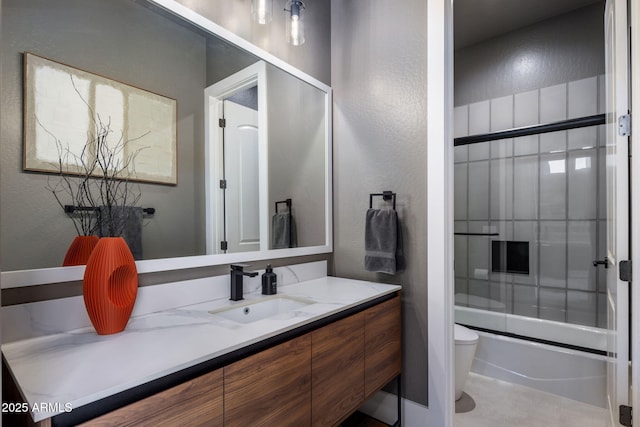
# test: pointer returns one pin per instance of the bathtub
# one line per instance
(574, 374)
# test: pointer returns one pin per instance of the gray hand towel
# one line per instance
(381, 240)
(125, 222)
(400, 259)
(283, 231)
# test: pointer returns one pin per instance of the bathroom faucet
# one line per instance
(237, 272)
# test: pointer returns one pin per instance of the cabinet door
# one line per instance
(382, 345)
(194, 403)
(337, 365)
(270, 388)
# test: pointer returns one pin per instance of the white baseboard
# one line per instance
(383, 406)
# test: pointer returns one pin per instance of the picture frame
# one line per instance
(62, 105)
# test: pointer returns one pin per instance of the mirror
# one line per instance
(268, 155)
(152, 48)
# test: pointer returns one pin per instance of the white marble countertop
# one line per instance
(80, 367)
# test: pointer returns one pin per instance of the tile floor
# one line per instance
(502, 404)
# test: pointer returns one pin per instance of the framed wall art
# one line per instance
(65, 107)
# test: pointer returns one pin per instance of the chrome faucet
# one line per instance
(237, 272)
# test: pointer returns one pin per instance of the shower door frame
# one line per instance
(617, 60)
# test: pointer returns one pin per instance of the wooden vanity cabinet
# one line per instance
(194, 403)
(320, 378)
(315, 379)
(337, 366)
(382, 345)
(270, 388)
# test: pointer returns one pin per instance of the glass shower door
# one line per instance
(482, 209)
(530, 219)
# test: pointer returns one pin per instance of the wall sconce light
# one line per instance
(262, 11)
(295, 23)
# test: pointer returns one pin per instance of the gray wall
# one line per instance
(380, 134)
(224, 59)
(296, 165)
(246, 97)
(566, 48)
(101, 37)
(313, 57)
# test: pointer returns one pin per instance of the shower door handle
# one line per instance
(604, 262)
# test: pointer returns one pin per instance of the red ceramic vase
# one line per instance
(110, 285)
(80, 250)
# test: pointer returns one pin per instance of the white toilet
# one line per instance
(466, 341)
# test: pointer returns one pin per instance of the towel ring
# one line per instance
(287, 202)
(386, 196)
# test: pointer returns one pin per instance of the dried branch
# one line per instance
(73, 186)
(102, 181)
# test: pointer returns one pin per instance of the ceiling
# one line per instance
(479, 20)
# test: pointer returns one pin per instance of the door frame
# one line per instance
(213, 137)
(634, 244)
(440, 190)
(440, 275)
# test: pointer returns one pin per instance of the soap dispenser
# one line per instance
(269, 282)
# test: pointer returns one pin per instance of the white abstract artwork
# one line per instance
(62, 105)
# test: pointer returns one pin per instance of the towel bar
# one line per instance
(69, 209)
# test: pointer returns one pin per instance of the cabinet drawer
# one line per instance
(270, 388)
(337, 364)
(194, 403)
(383, 345)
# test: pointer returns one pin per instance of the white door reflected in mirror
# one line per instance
(235, 158)
(242, 221)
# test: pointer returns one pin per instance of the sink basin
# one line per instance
(252, 311)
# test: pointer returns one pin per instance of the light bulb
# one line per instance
(295, 30)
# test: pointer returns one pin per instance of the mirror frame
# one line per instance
(43, 276)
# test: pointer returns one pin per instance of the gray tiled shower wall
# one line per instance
(545, 189)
